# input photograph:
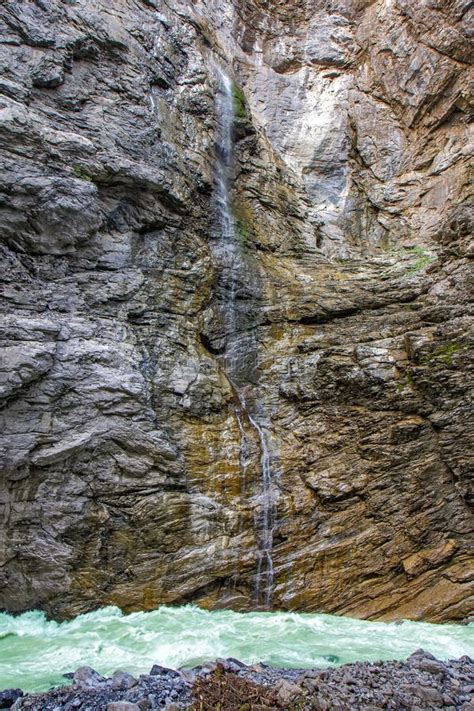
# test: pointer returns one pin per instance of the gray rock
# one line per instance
(123, 680)
(366, 684)
(49, 73)
(87, 677)
(158, 670)
(287, 692)
(8, 697)
(124, 447)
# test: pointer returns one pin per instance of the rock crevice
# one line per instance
(128, 476)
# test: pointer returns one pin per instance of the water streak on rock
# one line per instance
(226, 249)
(231, 260)
(266, 516)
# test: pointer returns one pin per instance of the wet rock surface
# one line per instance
(421, 682)
(128, 475)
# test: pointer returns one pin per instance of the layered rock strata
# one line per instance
(130, 475)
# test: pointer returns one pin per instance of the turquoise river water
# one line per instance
(35, 652)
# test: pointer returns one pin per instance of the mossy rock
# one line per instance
(444, 353)
(80, 173)
(243, 232)
(240, 105)
(424, 258)
(244, 222)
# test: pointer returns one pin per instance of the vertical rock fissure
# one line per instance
(239, 355)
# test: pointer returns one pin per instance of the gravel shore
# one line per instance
(420, 682)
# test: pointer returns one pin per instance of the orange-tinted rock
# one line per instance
(130, 474)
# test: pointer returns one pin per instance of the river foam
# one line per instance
(35, 652)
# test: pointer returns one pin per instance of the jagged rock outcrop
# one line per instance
(129, 476)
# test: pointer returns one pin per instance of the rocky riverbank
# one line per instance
(420, 682)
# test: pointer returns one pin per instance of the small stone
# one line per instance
(448, 700)
(350, 680)
(237, 662)
(74, 704)
(426, 694)
(230, 664)
(87, 677)
(158, 670)
(188, 675)
(123, 680)
(206, 668)
(421, 653)
(122, 706)
(287, 692)
(432, 667)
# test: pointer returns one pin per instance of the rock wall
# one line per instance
(130, 474)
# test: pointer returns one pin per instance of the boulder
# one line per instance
(8, 697)
(87, 677)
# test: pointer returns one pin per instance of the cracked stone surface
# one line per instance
(127, 476)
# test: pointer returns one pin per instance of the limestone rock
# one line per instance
(130, 475)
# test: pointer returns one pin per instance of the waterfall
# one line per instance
(227, 249)
(225, 149)
(240, 345)
(265, 526)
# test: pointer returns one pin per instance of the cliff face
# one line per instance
(133, 455)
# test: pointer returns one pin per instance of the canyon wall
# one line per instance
(131, 459)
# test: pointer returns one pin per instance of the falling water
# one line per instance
(264, 577)
(227, 248)
(225, 149)
(228, 252)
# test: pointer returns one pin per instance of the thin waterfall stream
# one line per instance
(264, 577)
(228, 252)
